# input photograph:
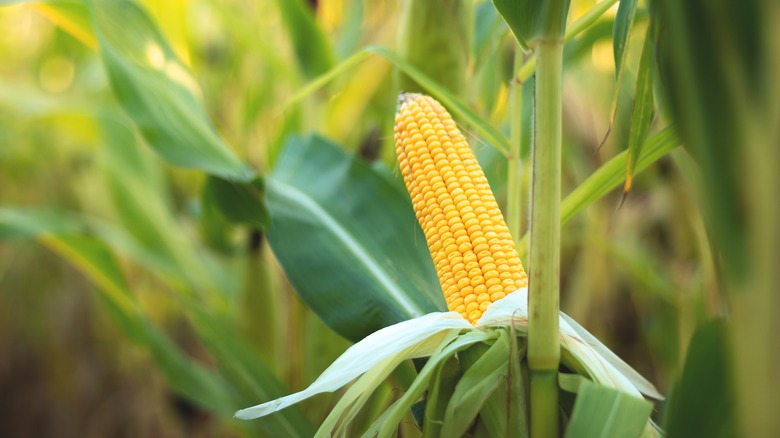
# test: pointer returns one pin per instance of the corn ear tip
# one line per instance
(405, 97)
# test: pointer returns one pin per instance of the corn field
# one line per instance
(435, 218)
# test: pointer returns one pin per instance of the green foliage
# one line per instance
(184, 174)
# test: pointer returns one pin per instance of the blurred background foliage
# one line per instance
(155, 304)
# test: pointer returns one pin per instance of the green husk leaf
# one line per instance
(478, 382)
(604, 412)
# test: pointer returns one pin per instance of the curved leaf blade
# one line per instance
(348, 240)
(642, 112)
(621, 29)
(158, 92)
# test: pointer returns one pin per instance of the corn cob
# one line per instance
(474, 254)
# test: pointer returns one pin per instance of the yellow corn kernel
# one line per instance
(469, 241)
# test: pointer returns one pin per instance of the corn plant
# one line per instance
(287, 177)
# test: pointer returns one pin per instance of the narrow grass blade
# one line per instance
(621, 30)
(642, 113)
(621, 34)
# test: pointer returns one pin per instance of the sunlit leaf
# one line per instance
(158, 92)
(72, 16)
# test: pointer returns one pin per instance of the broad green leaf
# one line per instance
(478, 382)
(603, 412)
(311, 47)
(532, 19)
(642, 113)
(621, 29)
(702, 403)
(448, 99)
(242, 203)
(348, 240)
(610, 175)
(158, 92)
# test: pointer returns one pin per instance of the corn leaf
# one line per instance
(702, 403)
(158, 92)
(70, 15)
(621, 29)
(309, 43)
(533, 19)
(348, 240)
(241, 203)
(478, 382)
(604, 412)
(642, 113)
(387, 424)
(621, 33)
